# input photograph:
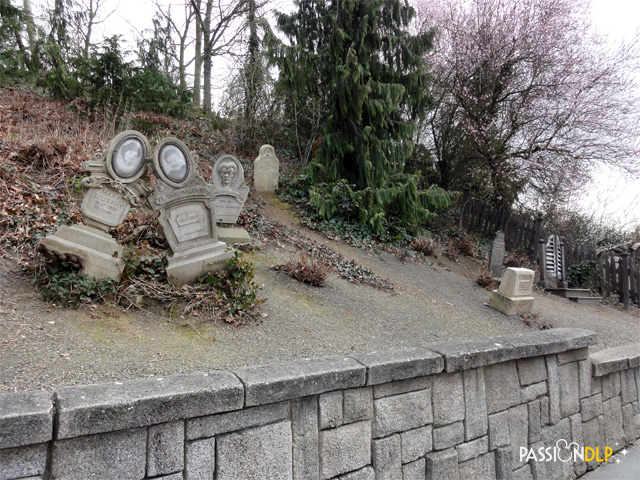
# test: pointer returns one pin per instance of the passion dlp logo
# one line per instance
(565, 452)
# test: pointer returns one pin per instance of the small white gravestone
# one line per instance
(115, 184)
(514, 293)
(266, 170)
(497, 254)
(187, 214)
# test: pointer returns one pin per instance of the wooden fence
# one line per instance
(619, 275)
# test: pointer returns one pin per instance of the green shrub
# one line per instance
(583, 275)
(65, 286)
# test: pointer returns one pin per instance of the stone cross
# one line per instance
(496, 258)
(266, 170)
(514, 293)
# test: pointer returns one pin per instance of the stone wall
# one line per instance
(467, 409)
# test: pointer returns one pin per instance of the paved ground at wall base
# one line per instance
(620, 466)
(45, 347)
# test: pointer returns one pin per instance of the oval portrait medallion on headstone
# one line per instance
(128, 157)
(173, 163)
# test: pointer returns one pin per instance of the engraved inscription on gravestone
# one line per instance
(266, 170)
(514, 293)
(190, 221)
(105, 205)
(497, 254)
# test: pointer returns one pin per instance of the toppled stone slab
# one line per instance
(615, 359)
(400, 364)
(26, 418)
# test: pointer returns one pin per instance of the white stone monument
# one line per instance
(115, 184)
(514, 293)
(266, 170)
(229, 195)
(187, 214)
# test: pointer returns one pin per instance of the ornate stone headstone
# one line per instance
(229, 195)
(187, 214)
(115, 184)
(551, 262)
(266, 170)
(497, 254)
(514, 293)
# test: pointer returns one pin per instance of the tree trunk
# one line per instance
(251, 73)
(197, 75)
(31, 34)
(207, 61)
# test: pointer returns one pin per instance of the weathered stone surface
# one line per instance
(508, 305)
(535, 424)
(472, 449)
(401, 412)
(95, 456)
(173, 476)
(212, 425)
(584, 372)
(443, 465)
(519, 428)
(366, 473)
(629, 391)
(402, 386)
(200, 459)
(331, 414)
(23, 461)
(614, 359)
(416, 443)
(591, 436)
(387, 458)
(107, 407)
(26, 418)
(229, 191)
(257, 453)
(544, 411)
(613, 430)
(517, 282)
(299, 378)
(233, 235)
(630, 423)
(448, 436)
(505, 460)
(448, 399)
(550, 341)
(483, 466)
(473, 353)
(523, 473)
(476, 423)
(553, 383)
(579, 466)
(573, 356)
(304, 426)
(569, 389)
(502, 386)
(591, 407)
(550, 438)
(165, 448)
(499, 430)
(400, 364)
(266, 170)
(187, 266)
(611, 385)
(531, 370)
(533, 391)
(596, 383)
(358, 404)
(415, 470)
(345, 449)
(496, 257)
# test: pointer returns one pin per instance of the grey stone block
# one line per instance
(330, 405)
(304, 426)
(550, 436)
(358, 404)
(535, 424)
(476, 423)
(628, 388)
(532, 370)
(401, 412)
(523, 473)
(387, 458)
(505, 461)
(165, 449)
(23, 461)
(544, 411)
(591, 436)
(173, 476)
(107, 407)
(614, 359)
(385, 367)
(448, 436)
(26, 418)
(519, 429)
(584, 372)
(443, 465)
(213, 425)
(610, 385)
(569, 389)
(95, 456)
(200, 459)
(416, 443)
(613, 430)
(299, 378)
(258, 453)
(499, 430)
(630, 423)
(472, 449)
(573, 356)
(577, 436)
(553, 383)
(591, 407)
(474, 353)
(533, 391)
(345, 449)
(502, 386)
(538, 469)
(483, 466)
(596, 385)
(366, 473)
(551, 341)
(415, 470)
(448, 399)
(402, 386)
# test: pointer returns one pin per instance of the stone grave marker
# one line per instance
(496, 258)
(551, 263)
(187, 214)
(266, 170)
(229, 195)
(114, 185)
(514, 293)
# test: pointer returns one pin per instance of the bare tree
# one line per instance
(527, 98)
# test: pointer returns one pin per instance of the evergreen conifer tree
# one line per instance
(357, 58)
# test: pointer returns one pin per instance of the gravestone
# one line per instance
(514, 293)
(187, 214)
(551, 263)
(114, 185)
(229, 195)
(496, 258)
(266, 170)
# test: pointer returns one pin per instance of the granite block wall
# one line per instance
(487, 408)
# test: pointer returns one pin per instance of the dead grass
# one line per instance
(306, 269)
(485, 279)
(425, 245)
